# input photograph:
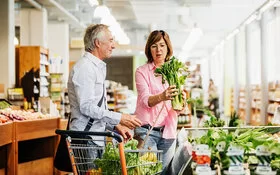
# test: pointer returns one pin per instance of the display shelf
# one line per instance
(6, 133)
(273, 99)
(43, 166)
(242, 104)
(179, 126)
(7, 147)
(255, 105)
(63, 124)
(33, 129)
(35, 143)
(29, 146)
(32, 71)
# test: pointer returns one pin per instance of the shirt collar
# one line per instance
(95, 60)
(152, 66)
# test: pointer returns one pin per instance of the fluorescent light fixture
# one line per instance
(267, 6)
(232, 34)
(193, 38)
(93, 2)
(101, 11)
(251, 19)
(109, 20)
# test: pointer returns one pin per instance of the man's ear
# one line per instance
(97, 43)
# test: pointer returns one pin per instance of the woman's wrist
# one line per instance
(160, 97)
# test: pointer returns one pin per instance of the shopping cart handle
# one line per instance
(72, 133)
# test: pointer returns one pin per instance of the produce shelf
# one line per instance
(32, 129)
(35, 143)
(6, 133)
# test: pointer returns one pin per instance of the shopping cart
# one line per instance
(112, 158)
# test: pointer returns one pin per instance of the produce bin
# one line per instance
(234, 150)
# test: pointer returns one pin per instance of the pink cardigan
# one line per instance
(148, 84)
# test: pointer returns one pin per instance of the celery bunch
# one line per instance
(172, 72)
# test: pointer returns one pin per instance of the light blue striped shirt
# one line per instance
(85, 89)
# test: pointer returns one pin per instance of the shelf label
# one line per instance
(235, 155)
(263, 154)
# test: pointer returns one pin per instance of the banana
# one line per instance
(150, 157)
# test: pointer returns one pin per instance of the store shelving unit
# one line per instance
(33, 60)
(29, 146)
(35, 143)
(273, 99)
(256, 105)
(56, 89)
(231, 100)
(110, 99)
(7, 149)
(242, 104)
(120, 96)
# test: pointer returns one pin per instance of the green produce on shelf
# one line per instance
(4, 104)
(234, 119)
(219, 140)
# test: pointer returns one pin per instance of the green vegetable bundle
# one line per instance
(172, 72)
(136, 163)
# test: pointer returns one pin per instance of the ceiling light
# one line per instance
(194, 37)
(232, 34)
(268, 5)
(101, 11)
(251, 19)
(93, 2)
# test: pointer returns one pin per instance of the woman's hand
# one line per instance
(169, 93)
(184, 96)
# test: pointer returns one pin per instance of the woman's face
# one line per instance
(159, 51)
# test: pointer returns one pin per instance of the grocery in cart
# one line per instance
(110, 155)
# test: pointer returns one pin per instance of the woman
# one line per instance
(213, 98)
(154, 99)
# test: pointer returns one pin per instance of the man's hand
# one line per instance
(124, 131)
(130, 121)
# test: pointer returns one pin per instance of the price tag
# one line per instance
(203, 170)
(263, 154)
(235, 155)
(236, 170)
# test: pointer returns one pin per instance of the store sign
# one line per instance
(76, 43)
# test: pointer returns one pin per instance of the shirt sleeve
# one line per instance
(142, 86)
(85, 82)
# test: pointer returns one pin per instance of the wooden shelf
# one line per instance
(179, 126)
(29, 146)
(32, 129)
(63, 124)
(6, 133)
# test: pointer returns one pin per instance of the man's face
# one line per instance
(107, 44)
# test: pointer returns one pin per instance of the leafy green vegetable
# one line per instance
(110, 161)
(248, 139)
(171, 72)
(234, 119)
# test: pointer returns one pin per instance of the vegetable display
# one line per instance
(172, 72)
(249, 140)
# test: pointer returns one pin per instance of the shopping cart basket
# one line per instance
(112, 158)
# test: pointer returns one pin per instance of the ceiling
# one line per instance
(216, 18)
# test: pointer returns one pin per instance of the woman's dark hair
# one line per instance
(154, 37)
